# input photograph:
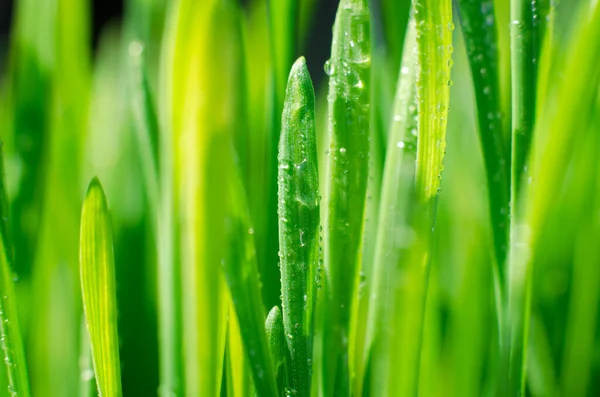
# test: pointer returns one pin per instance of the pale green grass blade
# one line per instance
(200, 102)
(552, 149)
(238, 376)
(87, 380)
(299, 223)
(394, 239)
(97, 270)
(10, 332)
(348, 169)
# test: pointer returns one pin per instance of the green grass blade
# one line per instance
(231, 234)
(395, 15)
(480, 35)
(553, 147)
(284, 25)
(10, 333)
(299, 223)
(394, 240)
(238, 375)
(275, 335)
(524, 81)
(146, 124)
(348, 169)
(97, 270)
(434, 43)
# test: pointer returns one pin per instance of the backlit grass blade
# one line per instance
(480, 34)
(202, 92)
(146, 123)
(348, 170)
(284, 28)
(434, 42)
(10, 333)
(233, 249)
(237, 369)
(394, 240)
(394, 15)
(97, 271)
(299, 223)
(552, 149)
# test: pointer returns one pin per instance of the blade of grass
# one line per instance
(348, 169)
(277, 346)
(10, 332)
(146, 125)
(394, 235)
(231, 229)
(480, 35)
(299, 223)
(238, 374)
(552, 149)
(97, 269)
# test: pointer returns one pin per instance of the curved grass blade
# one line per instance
(299, 223)
(10, 332)
(550, 157)
(97, 270)
(231, 234)
(348, 169)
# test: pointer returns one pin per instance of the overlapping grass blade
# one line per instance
(277, 346)
(146, 124)
(349, 142)
(231, 234)
(394, 238)
(480, 34)
(299, 223)
(199, 130)
(552, 149)
(97, 271)
(237, 370)
(10, 332)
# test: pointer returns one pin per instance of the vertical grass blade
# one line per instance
(480, 35)
(146, 124)
(348, 169)
(299, 223)
(434, 43)
(10, 332)
(388, 322)
(233, 246)
(284, 25)
(554, 143)
(203, 90)
(277, 348)
(97, 271)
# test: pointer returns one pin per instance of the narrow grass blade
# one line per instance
(348, 169)
(233, 247)
(146, 124)
(299, 223)
(552, 149)
(284, 25)
(395, 15)
(480, 35)
(202, 52)
(277, 346)
(237, 369)
(10, 332)
(394, 240)
(97, 270)
(434, 43)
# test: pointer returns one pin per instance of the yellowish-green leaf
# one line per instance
(97, 270)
